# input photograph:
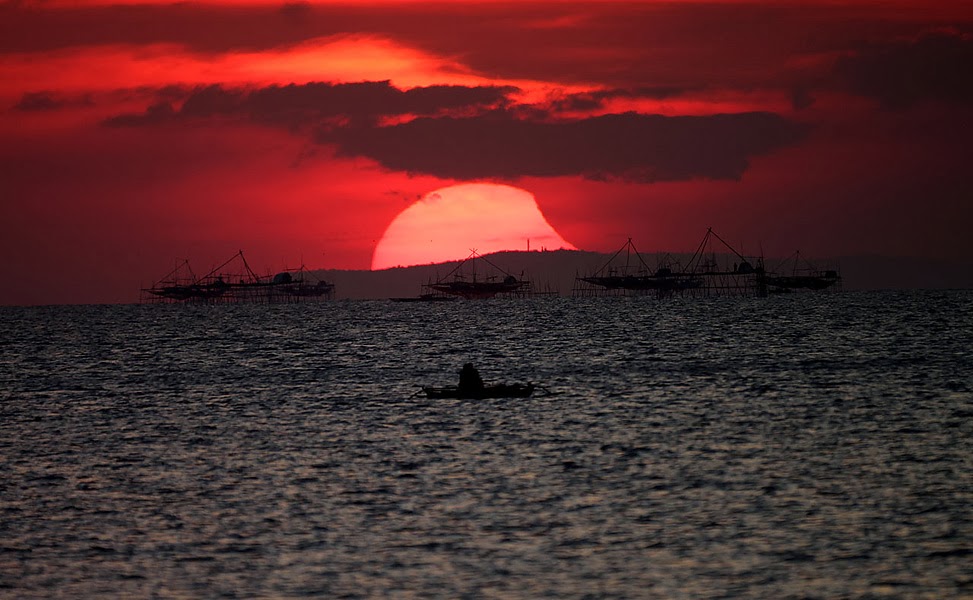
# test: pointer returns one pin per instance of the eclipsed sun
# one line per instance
(449, 223)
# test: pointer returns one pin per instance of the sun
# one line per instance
(448, 223)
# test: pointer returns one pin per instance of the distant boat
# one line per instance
(808, 282)
(501, 390)
(663, 279)
(639, 278)
(237, 283)
(803, 276)
(424, 298)
(473, 287)
(709, 272)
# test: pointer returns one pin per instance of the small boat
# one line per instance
(424, 298)
(663, 280)
(480, 290)
(468, 285)
(501, 390)
(818, 280)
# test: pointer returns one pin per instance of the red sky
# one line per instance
(136, 134)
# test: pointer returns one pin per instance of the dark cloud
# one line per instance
(934, 67)
(37, 101)
(801, 98)
(44, 101)
(629, 147)
(587, 101)
(161, 112)
(296, 11)
(213, 101)
(361, 102)
(299, 105)
(199, 27)
(617, 44)
(474, 132)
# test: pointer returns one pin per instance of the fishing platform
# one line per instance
(234, 282)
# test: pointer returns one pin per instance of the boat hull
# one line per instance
(516, 390)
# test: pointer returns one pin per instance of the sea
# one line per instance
(795, 446)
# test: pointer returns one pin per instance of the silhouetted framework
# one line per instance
(235, 282)
(795, 274)
(715, 269)
(464, 281)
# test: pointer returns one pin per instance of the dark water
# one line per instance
(792, 447)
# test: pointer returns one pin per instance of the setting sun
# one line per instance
(450, 222)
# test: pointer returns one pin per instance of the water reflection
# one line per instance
(777, 447)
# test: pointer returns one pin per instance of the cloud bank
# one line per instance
(493, 137)
(936, 66)
(629, 147)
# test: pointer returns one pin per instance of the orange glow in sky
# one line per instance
(449, 223)
(343, 58)
(334, 59)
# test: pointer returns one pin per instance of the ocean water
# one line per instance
(801, 446)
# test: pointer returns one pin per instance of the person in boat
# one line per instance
(469, 380)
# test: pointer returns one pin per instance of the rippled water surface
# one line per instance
(792, 447)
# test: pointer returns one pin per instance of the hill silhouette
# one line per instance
(557, 270)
